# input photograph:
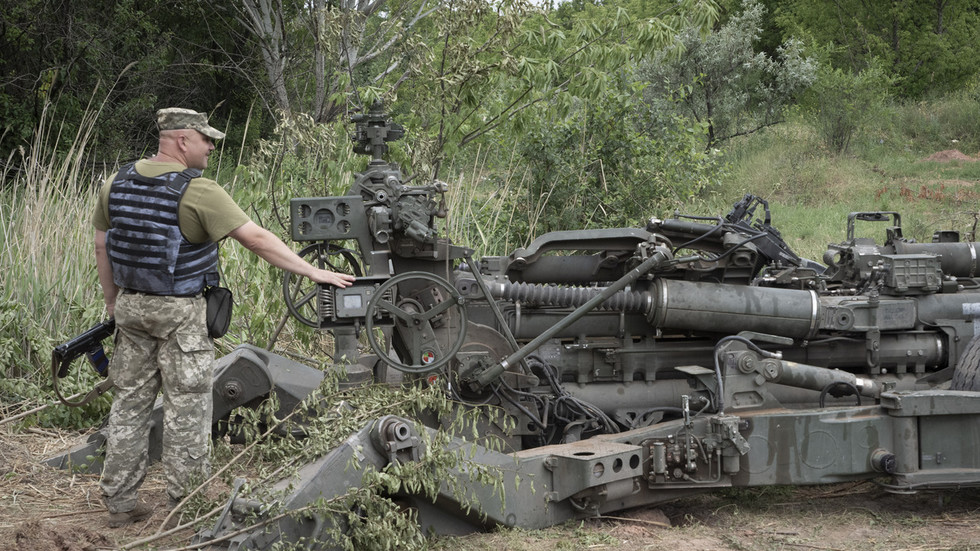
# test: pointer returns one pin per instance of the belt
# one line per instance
(141, 293)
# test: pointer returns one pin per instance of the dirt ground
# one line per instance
(844, 517)
(44, 509)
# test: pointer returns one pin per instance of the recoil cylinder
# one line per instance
(630, 302)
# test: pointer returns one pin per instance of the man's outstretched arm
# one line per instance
(271, 249)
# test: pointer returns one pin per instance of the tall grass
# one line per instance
(480, 203)
(925, 127)
(48, 283)
(46, 231)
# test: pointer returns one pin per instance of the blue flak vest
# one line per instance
(147, 250)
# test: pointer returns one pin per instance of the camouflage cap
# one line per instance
(175, 118)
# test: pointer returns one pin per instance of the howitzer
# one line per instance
(636, 365)
(88, 344)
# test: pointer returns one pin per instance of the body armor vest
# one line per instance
(147, 250)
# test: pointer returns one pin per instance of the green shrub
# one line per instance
(841, 103)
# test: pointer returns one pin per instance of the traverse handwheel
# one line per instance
(419, 322)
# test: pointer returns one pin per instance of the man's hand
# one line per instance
(333, 278)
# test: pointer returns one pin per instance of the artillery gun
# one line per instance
(636, 365)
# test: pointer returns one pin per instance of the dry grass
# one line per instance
(45, 231)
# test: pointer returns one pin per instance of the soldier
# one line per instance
(157, 224)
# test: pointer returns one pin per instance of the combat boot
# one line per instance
(138, 513)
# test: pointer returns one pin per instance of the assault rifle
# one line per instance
(88, 343)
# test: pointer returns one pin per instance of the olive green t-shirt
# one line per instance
(206, 211)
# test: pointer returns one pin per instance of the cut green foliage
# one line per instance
(368, 515)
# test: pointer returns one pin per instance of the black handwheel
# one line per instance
(413, 322)
(965, 375)
(301, 294)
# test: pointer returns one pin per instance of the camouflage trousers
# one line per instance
(161, 344)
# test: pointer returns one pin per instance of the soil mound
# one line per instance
(949, 155)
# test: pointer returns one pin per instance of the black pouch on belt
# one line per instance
(219, 301)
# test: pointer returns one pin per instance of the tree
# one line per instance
(314, 53)
(841, 102)
(452, 70)
(568, 106)
(722, 81)
(536, 67)
(930, 47)
(602, 165)
(123, 59)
